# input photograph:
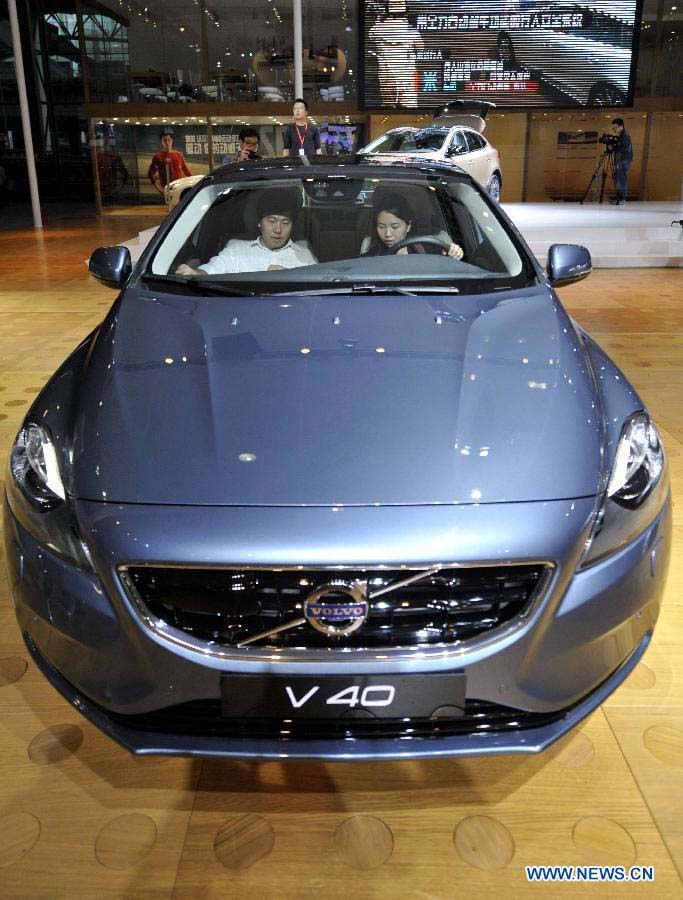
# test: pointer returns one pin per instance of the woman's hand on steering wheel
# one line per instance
(448, 247)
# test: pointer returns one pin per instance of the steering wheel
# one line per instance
(417, 239)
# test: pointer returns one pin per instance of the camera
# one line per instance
(609, 140)
(253, 154)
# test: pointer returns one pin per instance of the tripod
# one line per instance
(603, 170)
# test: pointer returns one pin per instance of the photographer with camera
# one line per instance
(623, 157)
(249, 145)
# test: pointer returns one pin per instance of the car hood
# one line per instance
(336, 400)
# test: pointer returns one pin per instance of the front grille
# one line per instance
(202, 718)
(225, 607)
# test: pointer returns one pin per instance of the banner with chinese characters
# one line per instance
(225, 145)
(515, 53)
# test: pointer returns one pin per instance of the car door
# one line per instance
(480, 157)
(458, 149)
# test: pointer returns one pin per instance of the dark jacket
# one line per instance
(623, 151)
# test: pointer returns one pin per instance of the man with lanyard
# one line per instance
(623, 157)
(301, 138)
(167, 164)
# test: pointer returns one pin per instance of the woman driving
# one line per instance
(391, 225)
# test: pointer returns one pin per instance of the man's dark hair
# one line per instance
(249, 132)
(618, 122)
(278, 202)
(301, 100)
(164, 133)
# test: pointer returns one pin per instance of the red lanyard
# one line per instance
(302, 140)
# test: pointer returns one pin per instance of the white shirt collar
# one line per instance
(257, 243)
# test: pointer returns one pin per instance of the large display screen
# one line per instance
(521, 53)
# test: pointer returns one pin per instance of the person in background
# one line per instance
(623, 157)
(111, 171)
(302, 138)
(249, 145)
(167, 164)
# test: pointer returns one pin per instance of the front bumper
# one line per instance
(529, 740)
(577, 646)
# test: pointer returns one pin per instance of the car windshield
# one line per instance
(412, 141)
(414, 231)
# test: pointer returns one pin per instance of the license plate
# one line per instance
(335, 696)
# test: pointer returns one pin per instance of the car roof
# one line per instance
(407, 128)
(359, 165)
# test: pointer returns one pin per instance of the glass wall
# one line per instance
(250, 50)
(166, 51)
(669, 73)
(161, 51)
(106, 50)
(124, 149)
(647, 48)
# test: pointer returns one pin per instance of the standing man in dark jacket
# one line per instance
(302, 138)
(623, 157)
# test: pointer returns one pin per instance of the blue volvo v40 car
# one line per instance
(337, 477)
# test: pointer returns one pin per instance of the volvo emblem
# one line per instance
(337, 608)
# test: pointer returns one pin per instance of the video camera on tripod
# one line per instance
(610, 141)
(605, 167)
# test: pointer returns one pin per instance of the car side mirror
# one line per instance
(111, 265)
(568, 263)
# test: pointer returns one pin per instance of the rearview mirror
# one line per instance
(111, 265)
(568, 263)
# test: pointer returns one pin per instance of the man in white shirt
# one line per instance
(273, 249)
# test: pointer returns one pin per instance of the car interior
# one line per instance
(335, 222)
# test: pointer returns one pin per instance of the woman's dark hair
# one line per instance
(397, 205)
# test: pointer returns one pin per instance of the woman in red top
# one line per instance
(167, 164)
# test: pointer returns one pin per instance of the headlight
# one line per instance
(35, 468)
(638, 463)
(636, 494)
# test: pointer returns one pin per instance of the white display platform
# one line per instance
(632, 235)
(619, 237)
(138, 244)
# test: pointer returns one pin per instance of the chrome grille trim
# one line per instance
(443, 651)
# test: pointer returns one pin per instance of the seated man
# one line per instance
(272, 249)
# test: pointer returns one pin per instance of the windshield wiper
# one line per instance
(191, 281)
(370, 289)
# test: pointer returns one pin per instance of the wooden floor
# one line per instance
(79, 817)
